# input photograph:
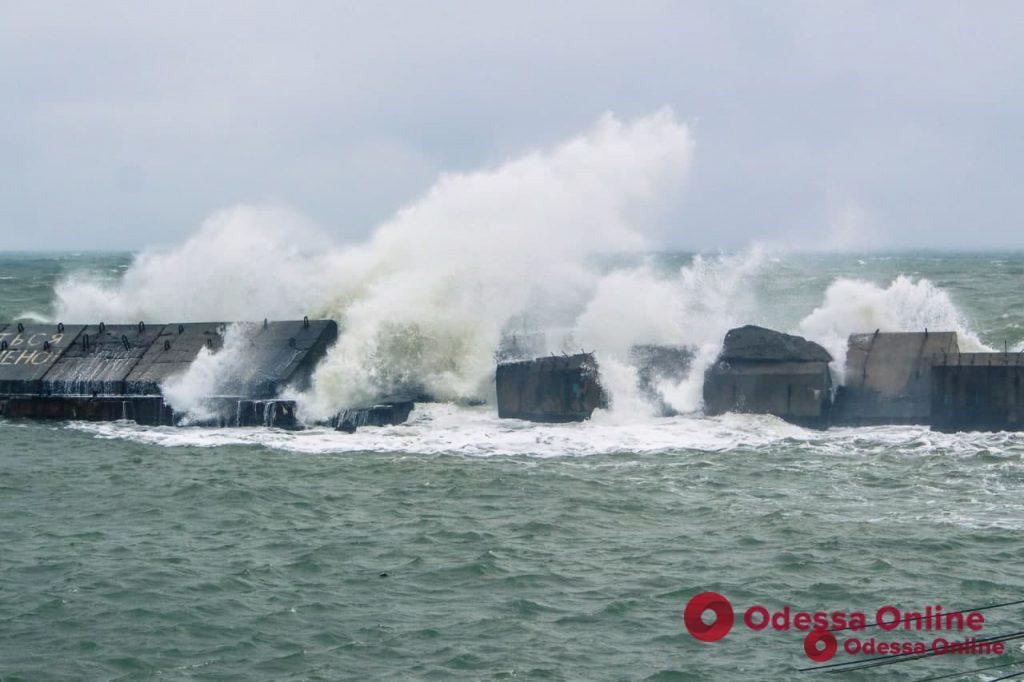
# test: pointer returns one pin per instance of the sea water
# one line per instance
(459, 545)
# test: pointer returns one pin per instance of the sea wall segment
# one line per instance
(559, 388)
(29, 351)
(99, 360)
(762, 371)
(172, 352)
(280, 354)
(888, 377)
(111, 372)
(978, 392)
(87, 360)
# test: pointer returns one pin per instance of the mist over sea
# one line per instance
(460, 545)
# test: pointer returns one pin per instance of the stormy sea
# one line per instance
(459, 545)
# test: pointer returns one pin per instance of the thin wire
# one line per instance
(971, 672)
(1006, 677)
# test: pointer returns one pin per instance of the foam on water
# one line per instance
(439, 428)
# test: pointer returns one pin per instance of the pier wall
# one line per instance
(29, 352)
(110, 372)
(99, 360)
(888, 377)
(551, 389)
(978, 392)
(762, 371)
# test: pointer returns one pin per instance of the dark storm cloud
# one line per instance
(816, 124)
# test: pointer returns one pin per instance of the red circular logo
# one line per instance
(820, 645)
(719, 627)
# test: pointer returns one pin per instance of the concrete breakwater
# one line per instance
(550, 389)
(109, 372)
(978, 392)
(112, 372)
(888, 378)
(763, 371)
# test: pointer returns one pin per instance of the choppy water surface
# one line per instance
(460, 545)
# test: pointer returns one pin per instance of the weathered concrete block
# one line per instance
(28, 352)
(753, 343)
(99, 360)
(888, 377)
(658, 364)
(84, 408)
(383, 414)
(151, 410)
(278, 414)
(551, 389)
(282, 354)
(172, 352)
(978, 392)
(762, 371)
(82, 372)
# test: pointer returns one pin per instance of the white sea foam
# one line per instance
(439, 428)
(477, 432)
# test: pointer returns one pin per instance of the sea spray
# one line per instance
(693, 306)
(244, 263)
(855, 306)
(422, 303)
(483, 248)
(209, 373)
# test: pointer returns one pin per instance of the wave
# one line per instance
(424, 301)
(853, 306)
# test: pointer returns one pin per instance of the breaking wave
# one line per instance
(855, 306)
(424, 301)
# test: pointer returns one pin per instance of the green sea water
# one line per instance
(460, 546)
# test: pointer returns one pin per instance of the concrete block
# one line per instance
(978, 392)
(888, 377)
(383, 414)
(100, 359)
(28, 352)
(753, 343)
(551, 389)
(761, 371)
(171, 353)
(278, 414)
(282, 354)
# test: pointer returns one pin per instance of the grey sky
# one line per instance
(125, 124)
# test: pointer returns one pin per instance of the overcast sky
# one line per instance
(125, 124)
